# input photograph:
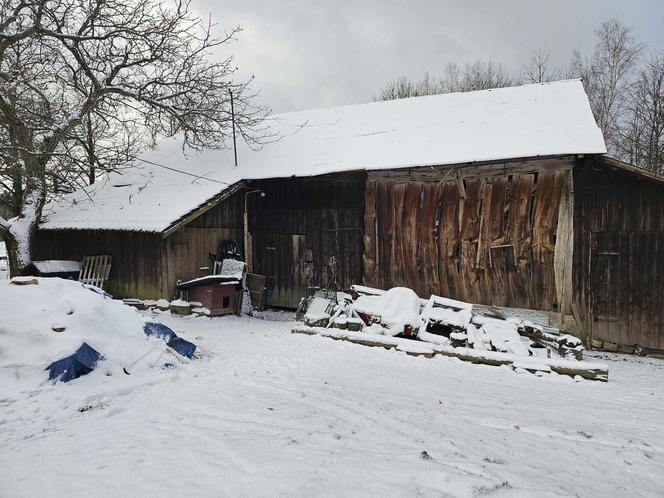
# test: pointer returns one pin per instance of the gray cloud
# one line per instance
(314, 53)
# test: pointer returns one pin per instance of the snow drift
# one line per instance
(31, 314)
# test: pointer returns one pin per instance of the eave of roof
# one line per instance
(203, 208)
(617, 164)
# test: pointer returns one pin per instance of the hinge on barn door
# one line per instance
(606, 318)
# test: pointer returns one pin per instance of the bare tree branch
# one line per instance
(606, 76)
(85, 85)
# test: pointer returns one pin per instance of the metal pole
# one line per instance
(233, 119)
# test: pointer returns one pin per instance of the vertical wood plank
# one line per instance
(426, 235)
(409, 230)
(519, 234)
(369, 257)
(448, 241)
(398, 277)
(470, 239)
(546, 209)
(482, 265)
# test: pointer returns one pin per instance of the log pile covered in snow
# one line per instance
(398, 318)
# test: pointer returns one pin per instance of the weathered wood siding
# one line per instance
(136, 269)
(185, 251)
(484, 234)
(619, 255)
(299, 226)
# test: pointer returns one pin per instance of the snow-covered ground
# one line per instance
(270, 413)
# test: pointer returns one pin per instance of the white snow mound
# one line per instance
(396, 308)
(28, 312)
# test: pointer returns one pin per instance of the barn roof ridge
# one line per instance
(469, 94)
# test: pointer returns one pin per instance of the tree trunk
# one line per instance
(12, 253)
(19, 235)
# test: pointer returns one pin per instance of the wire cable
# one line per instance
(185, 172)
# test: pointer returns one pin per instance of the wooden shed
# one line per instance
(501, 197)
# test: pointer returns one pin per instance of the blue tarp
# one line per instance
(81, 362)
(85, 358)
(182, 346)
(160, 330)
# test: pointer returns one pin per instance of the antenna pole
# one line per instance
(233, 119)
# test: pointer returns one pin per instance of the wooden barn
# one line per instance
(501, 197)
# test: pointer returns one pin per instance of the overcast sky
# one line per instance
(315, 53)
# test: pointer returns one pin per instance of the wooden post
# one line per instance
(247, 250)
(248, 256)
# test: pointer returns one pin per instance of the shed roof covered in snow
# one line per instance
(506, 123)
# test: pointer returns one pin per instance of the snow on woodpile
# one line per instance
(448, 327)
(398, 310)
(525, 121)
(44, 322)
(448, 312)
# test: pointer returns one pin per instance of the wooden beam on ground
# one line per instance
(587, 370)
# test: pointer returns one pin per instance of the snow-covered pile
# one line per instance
(30, 313)
(498, 335)
(397, 309)
(446, 326)
(447, 311)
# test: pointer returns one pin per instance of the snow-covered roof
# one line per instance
(57, 266)
(506, 123)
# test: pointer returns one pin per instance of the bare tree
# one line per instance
(101, 146)
(478, 75)
(400, 88)
(537, 70)
(452, 79)
(69, 68)
(606, 76)
(485, 74)
(642, 132)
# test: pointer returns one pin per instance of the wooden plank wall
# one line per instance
(227, 214)
(136, 265)
(618, 266)
(484, 234)
(299, 225)
(187, 249)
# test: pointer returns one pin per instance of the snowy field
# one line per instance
(270, 413)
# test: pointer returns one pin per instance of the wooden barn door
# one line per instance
(342, 247)
(627, 287)
(287, 263)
